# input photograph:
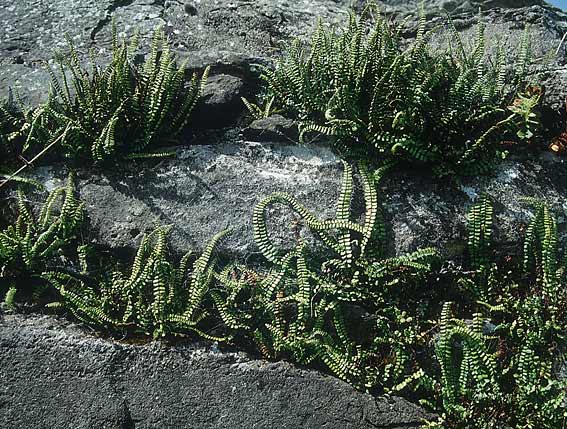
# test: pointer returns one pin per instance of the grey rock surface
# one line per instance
(54, 375)
(221, 103)
(206, 189)
(31, 30)
(229, 35)
(202, 191)
(273, 128)
(453, 6)
(424, 212)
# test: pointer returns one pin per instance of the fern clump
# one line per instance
(33, 243)
(443, 108)
(488, 361)
(499, 368)
(300, 309)
(12, 120)
(156, 297)
(371, 320)
(117, 110)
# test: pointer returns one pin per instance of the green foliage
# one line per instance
(261, 112)
(370, 319)
(445, 108)
(115, 110)
(498, 369)
(525, 110)
(32, 242)
(156, 297)
(298, 310)
(480, 232)
(11, 121)
(10, 297)
(366, 318)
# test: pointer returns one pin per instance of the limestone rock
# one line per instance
(54, 375)
(208, 188)
(221, 104)
(203, 190)
(273, 128)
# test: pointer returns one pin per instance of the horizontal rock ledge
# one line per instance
(52, 374)
(206, 189)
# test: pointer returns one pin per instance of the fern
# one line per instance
(155, 298)
(480, 232)
(31, 243)
(114, 111)
(12, 121)
(296, 310)
(505, 377)
(260, 112)
(447, 109)
(540, 249)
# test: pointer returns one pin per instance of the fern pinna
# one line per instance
(156, 297)
(361, 85)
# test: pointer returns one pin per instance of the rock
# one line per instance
(202, 191)
(221, 102)
(208, 188)
(54, 375)
(25, 81)
(190, 9)
(272, 129)
(221, 90)
(453, 6)
(227, 35)
(29, 33)
(424, 212)
(555, 83)
(231, 36)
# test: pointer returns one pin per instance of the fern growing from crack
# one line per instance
(443, 108)
(499, 367)
(156, 297)
(297, 309)
(36, 241)
(117, 110)
(30, 241)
